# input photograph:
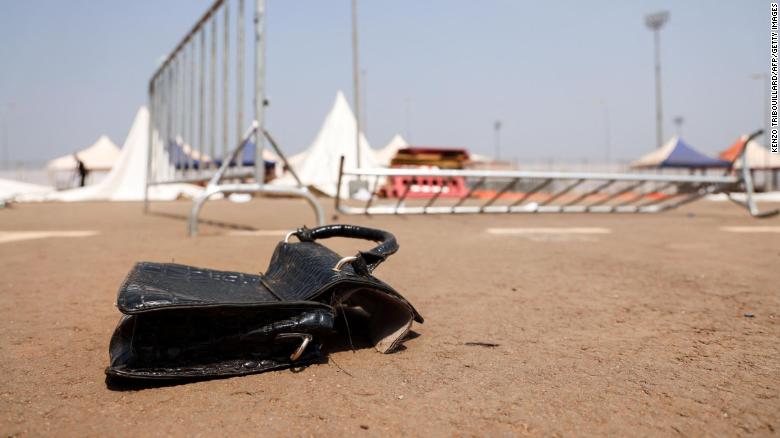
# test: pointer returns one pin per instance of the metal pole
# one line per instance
(225, 81)
(167, 123)
(607, 136)
(150, 145)
(174, 67)
(497, 127)
(655, 22)
(240, 73)
(202, 100)
(364, 83)
(182, 112)
(678, 122)
(356, 79)
(408, 102)
(213, 94)
(191, 108)
(659, 136)
(172, 73)
(6, 113)
(259, 89)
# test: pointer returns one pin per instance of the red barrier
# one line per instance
(426, 187)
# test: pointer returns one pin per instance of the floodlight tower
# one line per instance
(497, 128)
(5, 140)
(655, 22)
(408, 105)
(356, 78)
(678, 122)
(607, 134)
(5, 112)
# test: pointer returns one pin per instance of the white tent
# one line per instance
(479, 158)
(98, 159)
(677, 153)
(100, 156)
(318, 166)
(127, 179)
(757, 156)
(385, 155)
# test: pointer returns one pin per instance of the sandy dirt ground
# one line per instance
(663, 325)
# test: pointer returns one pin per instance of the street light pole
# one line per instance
(5, 140)
(6, 113)
(260, 95)
(356, 79)
(364, 83)
(678, 122)
(607, 134)
(654, 22)
(497, 127)
(408, 108)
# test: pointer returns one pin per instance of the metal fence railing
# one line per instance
(202, 130)
(404, 191)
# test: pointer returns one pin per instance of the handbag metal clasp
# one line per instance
(290, 234)
(342, 262)
(305, 339)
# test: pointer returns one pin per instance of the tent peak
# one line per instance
(398, 138)
(341, 104)
(341, 96)
(104, 142)
(677, 153)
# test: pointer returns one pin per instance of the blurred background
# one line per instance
(537, 84)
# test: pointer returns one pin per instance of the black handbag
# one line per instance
(184, 322)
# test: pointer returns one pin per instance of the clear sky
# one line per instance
(73, 70)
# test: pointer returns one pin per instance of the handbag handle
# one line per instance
(365, 261)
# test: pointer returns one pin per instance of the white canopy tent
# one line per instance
(100, 156)
(98, 159)
(756, 155)
(759, 157)
(318, 165)
(385, 155)
(127, 179)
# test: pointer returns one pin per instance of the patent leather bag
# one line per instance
(183, 322)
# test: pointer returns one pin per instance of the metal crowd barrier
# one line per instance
(197, 129)
(425, 191)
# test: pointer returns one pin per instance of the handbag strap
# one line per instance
(365, 261)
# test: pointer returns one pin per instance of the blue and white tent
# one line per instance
(677, 153)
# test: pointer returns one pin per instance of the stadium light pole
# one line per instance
(356, 79)
(408, 108)
(607, 133)
(260, 91)
(6, 113)
(678, 122)
(364, 83)
(497, 128)
(655, 22)
(5, 140)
